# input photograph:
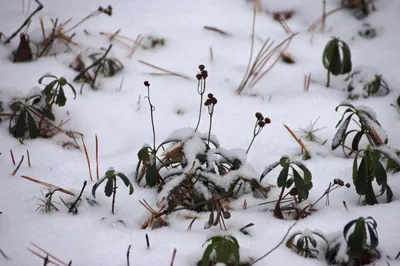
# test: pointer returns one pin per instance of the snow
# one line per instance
(121, 120)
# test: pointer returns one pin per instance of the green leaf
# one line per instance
(151, 175)
(48, 114)
(338, 139)
(96, 185)
(361, 179)
(268, 169)
(143, 153)
(357, 240)
(347, 65)
(206, 255)
(302, 189)
(347, 227)
(329, 52)
(20, 126)
(348, 110)
(356, 140)
(108, 189)
(223, 251)
(289, 182)
(373, 235)
(73, 89)
(62, 81)
(378, 170)
(284, 161)
(306, 173)
(126, 182)
(355, 167)
(32, 127)
(283, 175)
(61, 99)
(46, 76)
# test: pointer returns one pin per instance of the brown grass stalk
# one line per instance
(298, 140)
(18, 166)
(314, 25)
(217, 30)
(47, 254)
(307, 81)
(165, 71)
(29, 158)
(48, 185)
(87, 158)
(97, 158)
(173, 257)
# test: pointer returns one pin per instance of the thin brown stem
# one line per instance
(173, 257)
(165, 71)
(87, 158)
(29, 158)
(12, 157)
(114, 193)
(18, 166)
(210, 28)
(40, 7)
(97, 158)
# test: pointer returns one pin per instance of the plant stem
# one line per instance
(251, 143)
(201, 104)
(152, 118)
(278, 204)
(114, 193)
(328, 80)
(209, 129)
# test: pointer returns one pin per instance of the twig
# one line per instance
(165, 71)
(127, 255)
(73, 208)
(97, 158)
(40, 7)
(173, 257)
(29, 158)
(273, 249)
(98, 63)
(48, 185)
(147, 241)
(12, 157)
(87, 159)
(217, 30)
(242, 230)
(18, 166)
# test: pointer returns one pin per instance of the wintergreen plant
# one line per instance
(305, 244)
(54, 91)
(361, 245)
(368, 127)
(289, 176)
(336, 58)
(370, 169)
(111, 185)
(226, 250)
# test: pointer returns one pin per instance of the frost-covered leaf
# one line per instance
(337, 140)
(268, 169)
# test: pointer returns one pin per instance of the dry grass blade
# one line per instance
(136, 44)
(29, 158)
(307, 82)
(18, 166)
(217, 30)
(165, 72)
(322, 18)
(87, 158)
(4, 255)
(255, 70)
(48, 254)
(211, 54)
(298, 140)
(173, 257)
(155, 216)
(97, 158)
(12, 157)
(48, 185)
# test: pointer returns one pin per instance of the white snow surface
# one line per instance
(122, 123)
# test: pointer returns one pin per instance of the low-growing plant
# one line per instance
(310, 130)
(290, 178)
(362, 246)
(111, 185)
(370, 169)
(362, 8)
(54, 91)
(226, 250)
(366, 82)
(368, 127)
(151, 42)
(336, 58)
(305, 243)
(46, 204)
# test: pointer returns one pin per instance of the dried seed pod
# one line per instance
(267, 120)
(259, 116)
(146, 83)
(213, 101)
(207, 102)
(348, 185)
(261, 123)
(201, 67)
(198, 76)
(210, 95)
(204, 73)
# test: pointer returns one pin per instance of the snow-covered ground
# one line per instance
(121, 120)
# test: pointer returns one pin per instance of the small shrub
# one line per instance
(226, 250)
(288, 177)
(305, 244)
(368, 127)
(111, 185)
(336, 58)
(54, 91)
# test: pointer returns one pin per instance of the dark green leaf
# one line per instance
(143, 153)
(329, 52)
(61, 99)
(289, 182)
(32, 127)
(268, 169)
(307, 174)
(283, 176)
(62, 81)
(347, 65)
(361, 179)
(126, 182)
(284, 161)
(151, 175)
(373, 235)
(338, 139)
(356, 140)
(46, 76)
(206, 255)
(96, 185)
(378, 170)
(20, 126)
(347, 227)
(108, 189)
(302, 189)
(357, 239)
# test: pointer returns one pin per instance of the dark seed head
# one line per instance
(335, 181)
(146, 83)
(259, 116)
(341, 183)
(210, 95)
(207, 102)
(213, 101)
(293, 192)
(267, 120)
(100, 9)
(204, 73)
(201, 67)
(198, 76)
(348, 185)
(261, 123)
